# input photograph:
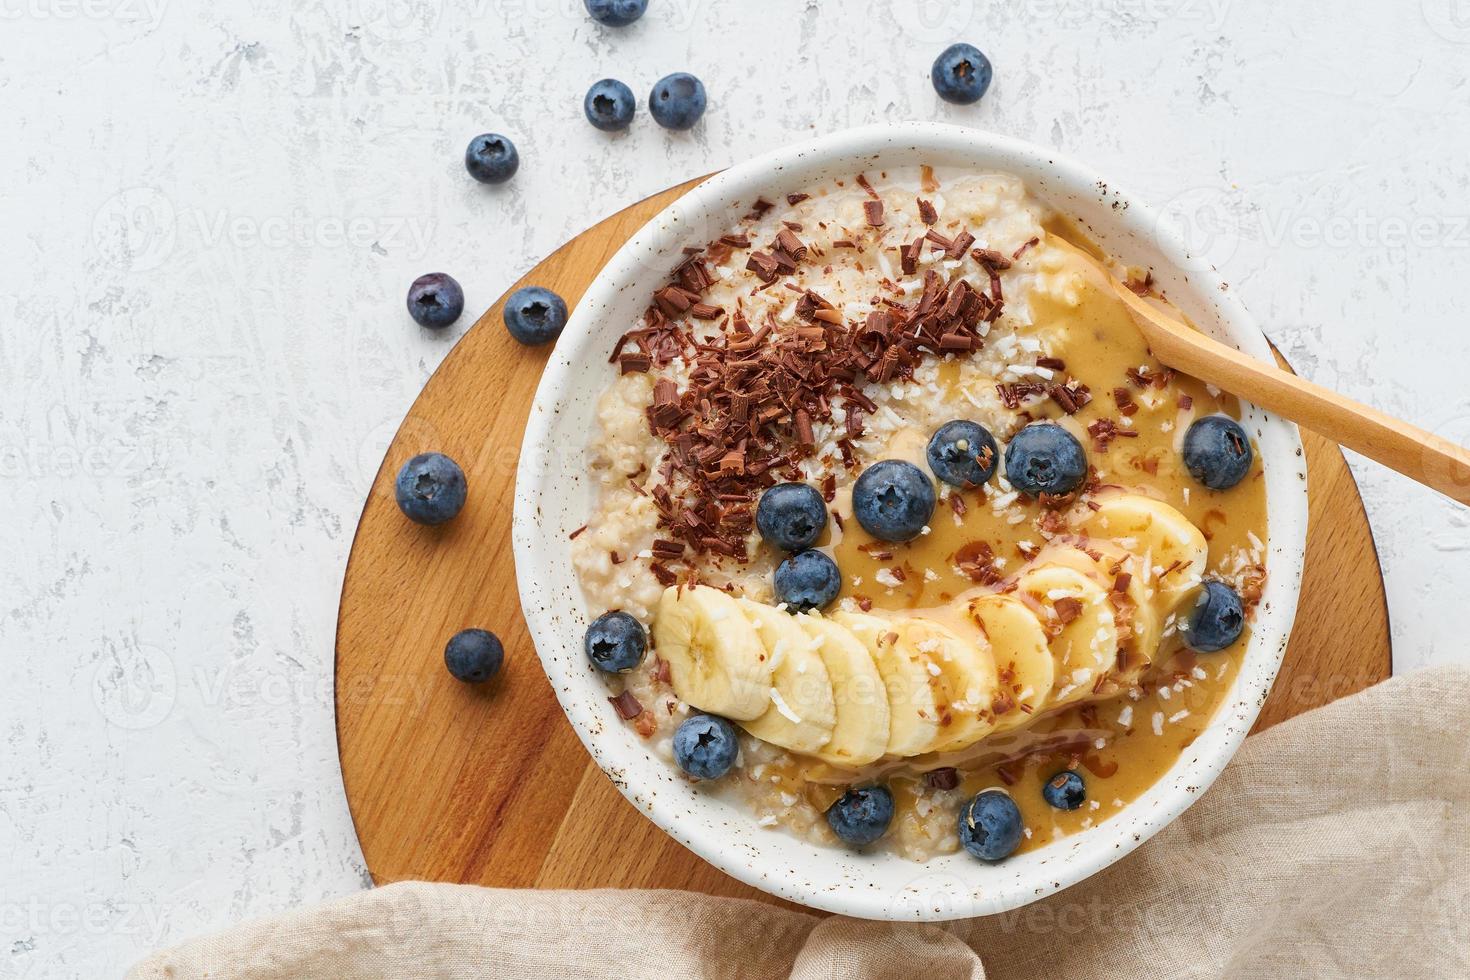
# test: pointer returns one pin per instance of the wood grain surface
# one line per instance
(492, 787)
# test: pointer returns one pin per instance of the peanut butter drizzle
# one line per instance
(1099, 344)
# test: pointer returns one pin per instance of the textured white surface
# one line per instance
(211, 212)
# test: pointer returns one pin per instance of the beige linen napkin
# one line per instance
(1335, 844)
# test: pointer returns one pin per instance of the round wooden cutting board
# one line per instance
(492, 787)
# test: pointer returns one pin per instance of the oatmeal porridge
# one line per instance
(929, 551)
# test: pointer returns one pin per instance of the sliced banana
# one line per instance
(911, 678)
(1136, 610)
(1140, 615)
(1172, 552)
(856, 687)
(802, 713)
(1023, 660)
(1083, 637)
(859, 696)
(967, 680)
(716, 661)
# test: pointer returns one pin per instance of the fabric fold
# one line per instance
(1335, 844)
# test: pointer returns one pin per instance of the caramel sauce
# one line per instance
(1113, 742)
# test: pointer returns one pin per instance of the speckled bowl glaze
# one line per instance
(553, 497)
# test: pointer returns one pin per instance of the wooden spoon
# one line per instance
(1420, 455)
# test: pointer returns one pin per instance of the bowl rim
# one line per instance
(1180, 786)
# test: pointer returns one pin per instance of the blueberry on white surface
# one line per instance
(435, 300)
(616, 13)
(677, 101)
(491, 158)
(961, 74)
(609, 105)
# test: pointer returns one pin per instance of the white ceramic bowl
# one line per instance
(553, 497)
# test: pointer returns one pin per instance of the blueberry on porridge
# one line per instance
(1217, 452)
(990, 826)
(791, 516)
(861, 816)
(893, 500)
(915, 522)
(962, 454)
(705, 746)
(1216, 620)
(1044, 458)
(1065, 790)
(615, 642)
(807, 580)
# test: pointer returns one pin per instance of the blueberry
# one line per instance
(791, 516)
(609, 105)
(431, 488)
(1065, 790)
(860, 816)
(1217, 452)
(616, 13)
(961, 74)
(615, 642)
(435, 300)
(1045, 458)
(474, 656)
(678, 100)
(807, 580)
(534, 315)
(893, 500)
(1216, 620)
(990, 825)
(963, 454)
(705, 746)
(491, 158)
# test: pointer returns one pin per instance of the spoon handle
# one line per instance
(1416, 453)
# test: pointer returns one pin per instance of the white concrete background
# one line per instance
(209, 214)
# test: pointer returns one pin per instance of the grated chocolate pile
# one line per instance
(755, 393)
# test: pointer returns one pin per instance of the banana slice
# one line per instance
(967, 678)
(1083, 634)
(1023, 660)
(913, 687)
(1172, 551)
(802, 713)
(860, 732)
(1135, 610)
(716, 661)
